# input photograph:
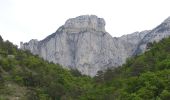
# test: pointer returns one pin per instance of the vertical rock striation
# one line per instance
(82, 43)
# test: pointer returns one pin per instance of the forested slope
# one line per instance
(27, 77)
(143, 77)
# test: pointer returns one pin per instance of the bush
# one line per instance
(165, 95)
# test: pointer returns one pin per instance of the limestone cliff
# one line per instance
(158, 33)
(82, 43)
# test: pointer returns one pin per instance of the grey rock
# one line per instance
(155, 35)
(82, 43)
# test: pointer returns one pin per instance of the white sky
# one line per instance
(22, 20)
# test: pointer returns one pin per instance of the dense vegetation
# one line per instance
(27, 77)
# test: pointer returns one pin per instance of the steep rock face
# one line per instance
(32, 46)
(130, 42)
(83, 23)
(158, 33)
(82, 43)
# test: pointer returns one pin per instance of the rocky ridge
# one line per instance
(82, 43)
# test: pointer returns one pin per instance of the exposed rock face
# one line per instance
(158, 33)
(83, 43)
(85, 23)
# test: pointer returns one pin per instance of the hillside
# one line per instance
(24, 76)
(143, 77)
(27, 77)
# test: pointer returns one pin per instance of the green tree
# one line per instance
(165, 95)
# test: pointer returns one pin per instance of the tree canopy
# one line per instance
(28, 77)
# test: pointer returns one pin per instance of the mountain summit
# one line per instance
(83, 44)
(84, 23)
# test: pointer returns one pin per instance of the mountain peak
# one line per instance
(167, 20)
(82, 43)
(84, 23)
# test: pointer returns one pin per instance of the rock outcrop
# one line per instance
(82, 43)
(158, 33)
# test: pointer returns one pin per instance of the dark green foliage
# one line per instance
(42, 80)
(75, 72)
(143, 77)
(1, 39)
